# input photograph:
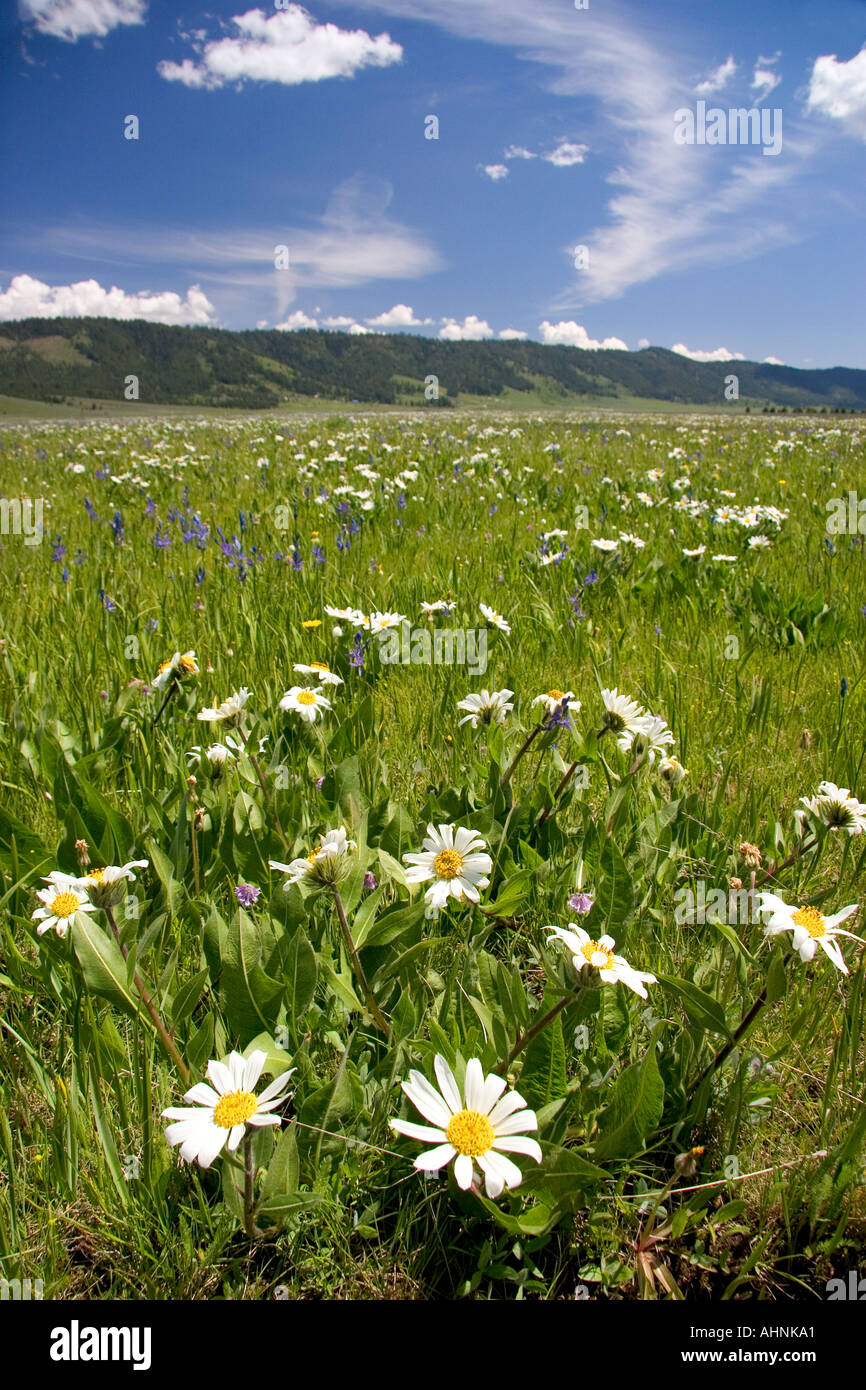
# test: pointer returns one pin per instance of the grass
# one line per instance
(757, 666)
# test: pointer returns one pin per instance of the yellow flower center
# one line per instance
(234, 1109)
(65, 904)
(311, 858)
(320, 666)
(164, 666)
(811, 919)
(96, 875)
(306, 697)
(555, 694)
(448, 863)
(470, 1133)
(188, 663)
(312, 622)
(590, 949)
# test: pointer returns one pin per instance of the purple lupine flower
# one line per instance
(591, 578)
(356, 655)
(247, 894)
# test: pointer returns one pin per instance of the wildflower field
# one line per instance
(430, 851)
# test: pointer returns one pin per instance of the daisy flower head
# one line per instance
(696, 553)
(107, 887)
(320, 670)
(672, 771)
(621, 713)
(606, 545)
(380, 622)
(494, 618)
(489, 707)
(650, 737)
(308, 703)
(553, 699)
(836, 808)
(348, 615)
(429, 610)
(220, 1113)
(480, 1127)
(810, 927)
(229, 712)
(61, 903)
(217, 755)
(178, 668)
(599, 955)
(456, 860)
(325, 866)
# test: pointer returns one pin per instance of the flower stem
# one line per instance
(566, 778)
(742, 1027)
(249, 1181)
(527, 744)
(168, 694)
(358, 968)
(537, 1028)
(167, 1040)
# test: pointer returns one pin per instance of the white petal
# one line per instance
(424, 1133)
(427, 1100)
(447, 1084)
(435, 1158)
(253, 1070)
(220, 1076)
(519, 1144)
(463, 1171)
(474, 1085)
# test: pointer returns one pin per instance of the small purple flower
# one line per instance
(369, 881)
(247, 894)
(581, 903)
(319, 782)
(356, 655)
(591, 578)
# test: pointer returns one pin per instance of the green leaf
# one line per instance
(300, 973)
(700, 1007)
(285, 1166)
(545, 1073)
(777, 977)
(102, 964)
(634, 1112)
(564, 1177)
(252, 999)
(187, 997)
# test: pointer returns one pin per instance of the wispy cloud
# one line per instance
(566, 154)
(287, 47)
(718, 79)
(838, 90)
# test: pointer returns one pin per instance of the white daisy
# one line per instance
(107, 887)
(696, 553)
(810, 927)
(605, 545)
(836, 808)
(61, 902)
(495, 618)
(729, 559)
(380, 622)
(759, 543)
(553, 699)
(220, 1113)
(672, 771)
(482, 1129)
(230, 711)
(599, 955)
(429, 610)
(309, 704)
(454, 858)
(217, 754)
(327, 864)
(650, 736)
(348, 615)
(177, 668)
(489, 707)
(321, 669)
(620, 712)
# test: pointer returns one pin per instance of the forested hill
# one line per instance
(63, 359)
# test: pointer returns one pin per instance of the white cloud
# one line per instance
(838, 89)
(643, 342)
(717, 355)
(566, 154)
(494, 171)
(357, 328)
(295, 321)
(512, 334)
(717, 79)
(28, 298)
(341, 321)
(571, 334)
(471, 330)
(75, 19)
(773, 362)
(401, 316)
(763, 79)
(519, 152)
(287, 47)
(666, 212)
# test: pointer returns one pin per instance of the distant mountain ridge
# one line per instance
(59, 359)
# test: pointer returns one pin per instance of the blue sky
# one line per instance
(303, 127)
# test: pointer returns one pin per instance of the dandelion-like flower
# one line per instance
(220, 1113)
(326, 865)
(480, 1128)
(229, 712)
(456, 860)
(836, 808)
(651, 736)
